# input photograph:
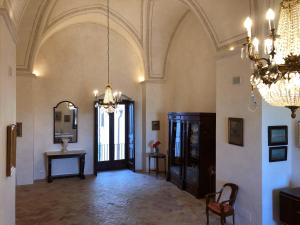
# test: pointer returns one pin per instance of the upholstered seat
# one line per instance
(219, 208)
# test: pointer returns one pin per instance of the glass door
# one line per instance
(113, 146)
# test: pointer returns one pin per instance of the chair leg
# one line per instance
(222, 220)
(207, 217)
(233, 219)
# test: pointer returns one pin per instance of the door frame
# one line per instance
(118, 164)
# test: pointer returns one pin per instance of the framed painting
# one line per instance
(236, 131)
(277, 154)
(57, 116)
(11, 149)
(277, 135)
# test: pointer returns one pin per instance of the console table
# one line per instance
(156, 157)
(63, 155)
(289, 200)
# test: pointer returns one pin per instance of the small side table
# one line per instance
(156, 157)
(63, 155)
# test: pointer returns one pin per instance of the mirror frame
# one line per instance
(57, 105)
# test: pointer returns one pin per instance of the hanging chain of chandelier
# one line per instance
(276, 74)
(111, 100)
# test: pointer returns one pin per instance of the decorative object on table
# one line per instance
(277, 76)
(155, 125)
(236, 131)
(277, 154)
(64, 143)
(65, 122)
(277, 135)
(11, 149)
(19, 129)
(110, 101)
(155, 146)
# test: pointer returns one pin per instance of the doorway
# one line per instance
(114, 138)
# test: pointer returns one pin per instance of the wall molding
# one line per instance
(9, 24)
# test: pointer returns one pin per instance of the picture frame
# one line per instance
(156, 125)
(57, 116)
(277, 135)
(11, 146)
(236, 131)
(67, 118)
(278, 153)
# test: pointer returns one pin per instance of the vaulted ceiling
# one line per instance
(149, 25)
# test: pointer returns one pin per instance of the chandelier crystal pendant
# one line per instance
(110, 100)
(277, 76)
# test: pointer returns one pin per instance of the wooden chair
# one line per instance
(216, 203)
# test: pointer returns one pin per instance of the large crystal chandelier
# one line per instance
(110, 100)
(277, 76)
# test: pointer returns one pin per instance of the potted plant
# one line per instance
(155, 146)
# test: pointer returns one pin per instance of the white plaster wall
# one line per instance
(240, 165)
(295, 151)
(155, 111)
(275, 175)
(7, 117)
(190, 70)
(71, 64)
(25, 115)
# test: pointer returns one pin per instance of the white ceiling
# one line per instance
(150, 23)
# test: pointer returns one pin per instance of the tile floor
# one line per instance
(113, 198)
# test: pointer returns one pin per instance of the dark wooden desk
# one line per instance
(156, 157)
(289, 201)
(63, 155)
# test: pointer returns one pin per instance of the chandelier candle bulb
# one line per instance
(256, 45)
(268, 46)
(270, 16)
(248, 26)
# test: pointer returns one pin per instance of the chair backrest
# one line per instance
(233, 193)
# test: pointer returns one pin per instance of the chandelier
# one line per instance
(110, 100)
(277, 75)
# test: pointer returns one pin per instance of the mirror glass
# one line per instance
(65, 122)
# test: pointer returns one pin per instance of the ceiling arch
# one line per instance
(149, 25)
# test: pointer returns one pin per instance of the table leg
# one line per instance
(50, 179)
(165, 160)
(157, 167)
(81, 167)
(149, 161)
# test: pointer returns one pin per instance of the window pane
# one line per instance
(103, 138)
(119, 120)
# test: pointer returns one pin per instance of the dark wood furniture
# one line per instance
(192, 150)
(63, 155)
(216, 203)
(156, 157)
(289, 201)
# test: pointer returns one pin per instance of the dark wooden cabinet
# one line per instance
(289, 201)
(192, 152)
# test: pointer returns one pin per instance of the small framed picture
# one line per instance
(11, 149)
(277, 135)
(155, 125)
(277, 154)
(67, 118)
(58, 115)
(236, 131)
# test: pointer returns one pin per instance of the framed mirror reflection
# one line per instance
(65, 117)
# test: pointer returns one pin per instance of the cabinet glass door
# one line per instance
(192, 157)
(176, 162)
